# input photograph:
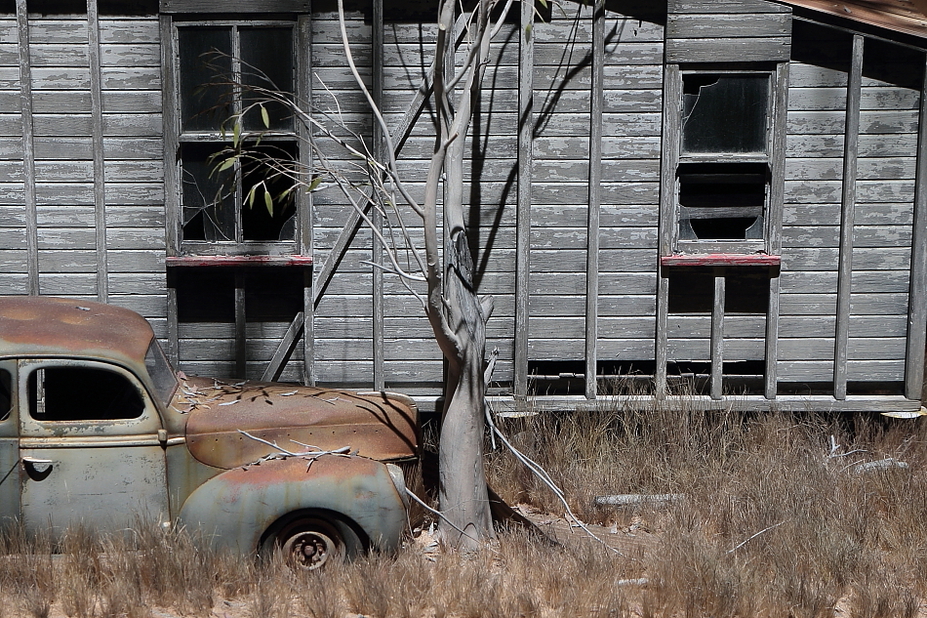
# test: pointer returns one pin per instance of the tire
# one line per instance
(312, 540)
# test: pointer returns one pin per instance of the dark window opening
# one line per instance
(722, 201)
(694, 378)
(724, 113)
(266, 64)
(746, 290)
(205, 78)
(248, 201)
(278, 221)
(82, 394)
(207, 294)
(209, 198)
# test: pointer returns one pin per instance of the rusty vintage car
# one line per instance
(97, 429)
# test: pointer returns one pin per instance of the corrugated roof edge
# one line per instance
(907, 16)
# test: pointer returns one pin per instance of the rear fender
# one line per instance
(237, 507)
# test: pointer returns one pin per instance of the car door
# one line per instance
(90, 447)
(9, 447)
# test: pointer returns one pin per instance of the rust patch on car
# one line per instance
(380, 426)
(40, 325)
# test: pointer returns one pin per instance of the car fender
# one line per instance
(236, 508)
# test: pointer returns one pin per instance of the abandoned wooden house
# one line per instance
(722, 197)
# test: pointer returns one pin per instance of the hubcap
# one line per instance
(309, 549)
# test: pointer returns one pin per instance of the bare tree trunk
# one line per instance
(463, 495)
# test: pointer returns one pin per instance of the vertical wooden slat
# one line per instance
(774, 222)
(169, 109)
(523, 207)
(672, 94)
(25, 97)
(96, 109)
(379, 150)
(917, 296)
(717, 338)
(595, 196)
(847, 216)
(304, 200)
(241, 335)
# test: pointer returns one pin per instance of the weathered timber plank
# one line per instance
(134, 55)
(129, 31)
(860, 304)
(28, 145)
(883, 214)
(97, 129)
(717, 337)
(863, 259)
(833, 98)
(858, 349)
(871, 122)
(523, 203)
(902, 145)
(720, 26)
(917, 307)
(860, 326)
(699, 327)
(728, 50)
(805, 371)
(868, 191)
(725, 6)
(891, 168)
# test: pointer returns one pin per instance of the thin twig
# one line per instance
(439, 514)
(763, 531)
(539, 472)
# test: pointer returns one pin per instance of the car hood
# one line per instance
(234, 424)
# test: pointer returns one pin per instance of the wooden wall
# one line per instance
(880, 249)
(630, 163)
(86, 156)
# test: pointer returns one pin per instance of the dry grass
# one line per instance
(774, 523)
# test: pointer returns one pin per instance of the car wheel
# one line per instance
(311, 541)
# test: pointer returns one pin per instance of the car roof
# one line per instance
(45, 326)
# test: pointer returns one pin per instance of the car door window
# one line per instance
(72, 393)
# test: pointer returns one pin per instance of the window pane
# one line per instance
(257, 221)
(207, 198)
(724, 113)
(161, 372)
(267, 63)
(205, 97)
(82, 394)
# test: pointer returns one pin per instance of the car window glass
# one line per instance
(71, 393)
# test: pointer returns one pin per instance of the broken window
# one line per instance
(723, 170)
(221, 69)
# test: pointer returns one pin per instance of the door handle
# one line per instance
(38, 469)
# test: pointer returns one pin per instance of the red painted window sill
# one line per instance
(239, 260)
(721, 259)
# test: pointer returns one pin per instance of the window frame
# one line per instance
(147, 422)
(176, 137)
(675, 161)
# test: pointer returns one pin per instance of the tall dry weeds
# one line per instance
(777, 519)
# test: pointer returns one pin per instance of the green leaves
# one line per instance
(268, 202)
(268, 198)
(265, 117)
(236, 133)
(227, 164)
